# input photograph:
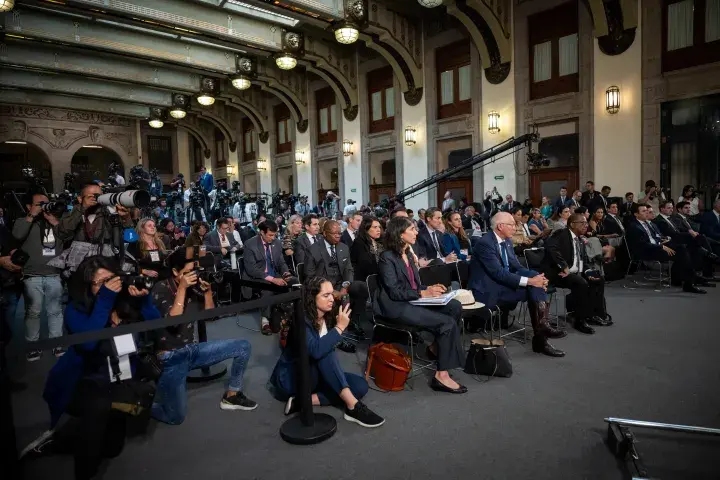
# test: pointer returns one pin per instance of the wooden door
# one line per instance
(381, 192)
(460, 188)
(548, 181)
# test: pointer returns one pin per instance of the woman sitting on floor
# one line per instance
(399, 284)
(330, 385)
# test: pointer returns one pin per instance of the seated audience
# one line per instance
(197, 234)
(596, 225)
(308, 238)
(232, 225)
(537, 223)
(177, 351)
(559, 219)
(172, 237)
(568, 266)
(330, 259)
(498, 279)
(220, 242)
(290, 238)
(626, 206)
(711, 222)
(430, 245)
(399, 284)
(471, 220)
(523, 238)
(562, 201)
(684, 220)
(79, 384)
(263, 260)
(350, 233)
(646, 244)
(324, 325)
(149, 251)
(613, 224)
(546, 209)
(454, 240)
(690, 196)
(366, 249)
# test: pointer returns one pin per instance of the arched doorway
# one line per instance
(92, 163)
(15, 156)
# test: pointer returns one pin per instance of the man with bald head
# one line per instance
(568, 266)
(498, 279)
(330, 259)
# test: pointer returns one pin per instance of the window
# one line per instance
(327, 115)
(160, 154)
(553, 40)
(454, 77)
(197, 154)
(249, 142)
(220, 149)
(282, 121)
(382, 100)
(691, 33)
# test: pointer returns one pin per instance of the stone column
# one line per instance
(183, 153)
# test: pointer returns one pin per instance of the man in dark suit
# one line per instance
(612, 223)
(471, 220)
(562, 201)
(710, 224)
(429, 243)
(567, 266)
(646, 244)
(308, 238)
(600, 201)
(221, 241)
(588, 194)
(626, 207)
(576, 199)
(329, 258)
(348, 236)
(264, 261)
(498, 279)
(509, 205)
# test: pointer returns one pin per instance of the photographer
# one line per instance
(149, 251)
(196, 201)
(653, 195)
(172, 236)
(79, 384)
(161, 211)
(39, 237)
(185, 293)
(89, 221)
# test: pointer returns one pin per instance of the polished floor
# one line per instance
(659, 362)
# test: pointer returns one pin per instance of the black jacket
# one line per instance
(318, 258)
(425, 247)
(363, 261)
(613, 225)
(394, 289)
(560, 254)
(346, 239)
(638, 239)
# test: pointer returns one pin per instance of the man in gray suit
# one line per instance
(330, 259)
(264, 261)
(308, 238)
(221, 240)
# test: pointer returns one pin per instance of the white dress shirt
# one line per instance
(649, 232)
(310, 238)
(667, 219)
(435, 239)
(617, 220)
(523, 280)
(578, 263)
(352, 234)
(236, 236)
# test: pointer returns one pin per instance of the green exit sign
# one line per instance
(499, 177)
(353, 190)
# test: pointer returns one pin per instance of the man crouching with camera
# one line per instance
(182, 293)
(88, 221)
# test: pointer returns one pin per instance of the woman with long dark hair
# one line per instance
(330, 385)
(366, 249)
(171, 236)
(559, 219)
(399, 284)
(80, 383)
(454, 239)
(197, 234)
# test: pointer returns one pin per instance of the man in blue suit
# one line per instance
(562, 201)
(206, 181)
(710, 224)
(498, 279)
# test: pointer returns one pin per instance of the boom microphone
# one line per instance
(129, 199)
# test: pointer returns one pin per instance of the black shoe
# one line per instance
(292, 406)
(543, 346)
(363, 416)
(347, 347)
(39, 447)
(582, 327)
(595, 320)
(33, 355)
(608, 320)
(438, 386)
(553, 333)
(356, 329)
(693, 289)
(237, 402)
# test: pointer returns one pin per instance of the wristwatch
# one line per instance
(345, 284)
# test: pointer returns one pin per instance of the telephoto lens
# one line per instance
(129, 199)
(54, 207)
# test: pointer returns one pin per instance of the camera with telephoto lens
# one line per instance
(197, 197)
(54, 208)
(128, 198)
(138, 281)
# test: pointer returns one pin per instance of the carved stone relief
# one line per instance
(64, 115)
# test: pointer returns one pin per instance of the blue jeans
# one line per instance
(171, 388)
(39, 290)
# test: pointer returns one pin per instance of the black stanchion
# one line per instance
(205, 374)
(8, 451)
(306, 428)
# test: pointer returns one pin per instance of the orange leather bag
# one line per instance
(391, 366)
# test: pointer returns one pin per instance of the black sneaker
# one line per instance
(292, 406)
(38, 447)
(237, 402)
(58, 352)
(33, 355)
(363, 416)
(347, 347)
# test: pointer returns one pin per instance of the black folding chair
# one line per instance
(300, 270)
(438, 274)
(534, 259)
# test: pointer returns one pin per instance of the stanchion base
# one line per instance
(207, 374)
(295, 432)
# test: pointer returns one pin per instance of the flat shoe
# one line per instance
(438, 386)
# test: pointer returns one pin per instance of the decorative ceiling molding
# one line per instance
(191, 124)
(258, 120)
(338, 69)
(620, 19)
(87, 110)
(215, 115)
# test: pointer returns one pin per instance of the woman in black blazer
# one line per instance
(366, 249)
(399, 283)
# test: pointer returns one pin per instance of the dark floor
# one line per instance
(659, 363)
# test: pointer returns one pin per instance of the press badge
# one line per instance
(154, 256)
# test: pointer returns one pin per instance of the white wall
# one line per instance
(265, 178)
(500, 98)
(415, 157)
(618, 137)
(304, 172)
(183, 152)
(352, 171)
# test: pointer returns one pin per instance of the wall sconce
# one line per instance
(493, 122)
(410, 136)
(612, 99)
(230, 170)
(299, 157)
(347, 148)
(261, 165)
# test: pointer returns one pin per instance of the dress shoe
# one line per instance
(438, 386)
(551, 332)
(597, 321)
(582, 327)
(608, 320)
(541, 345)
(347, 347)
(693, 289)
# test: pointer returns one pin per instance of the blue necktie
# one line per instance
(268, 260)
(504, 255)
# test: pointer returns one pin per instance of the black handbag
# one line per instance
(488, 357)
(132, 396)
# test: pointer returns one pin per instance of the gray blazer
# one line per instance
(254, 259)
(301, 247)
(318, 258)
(212, 242)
